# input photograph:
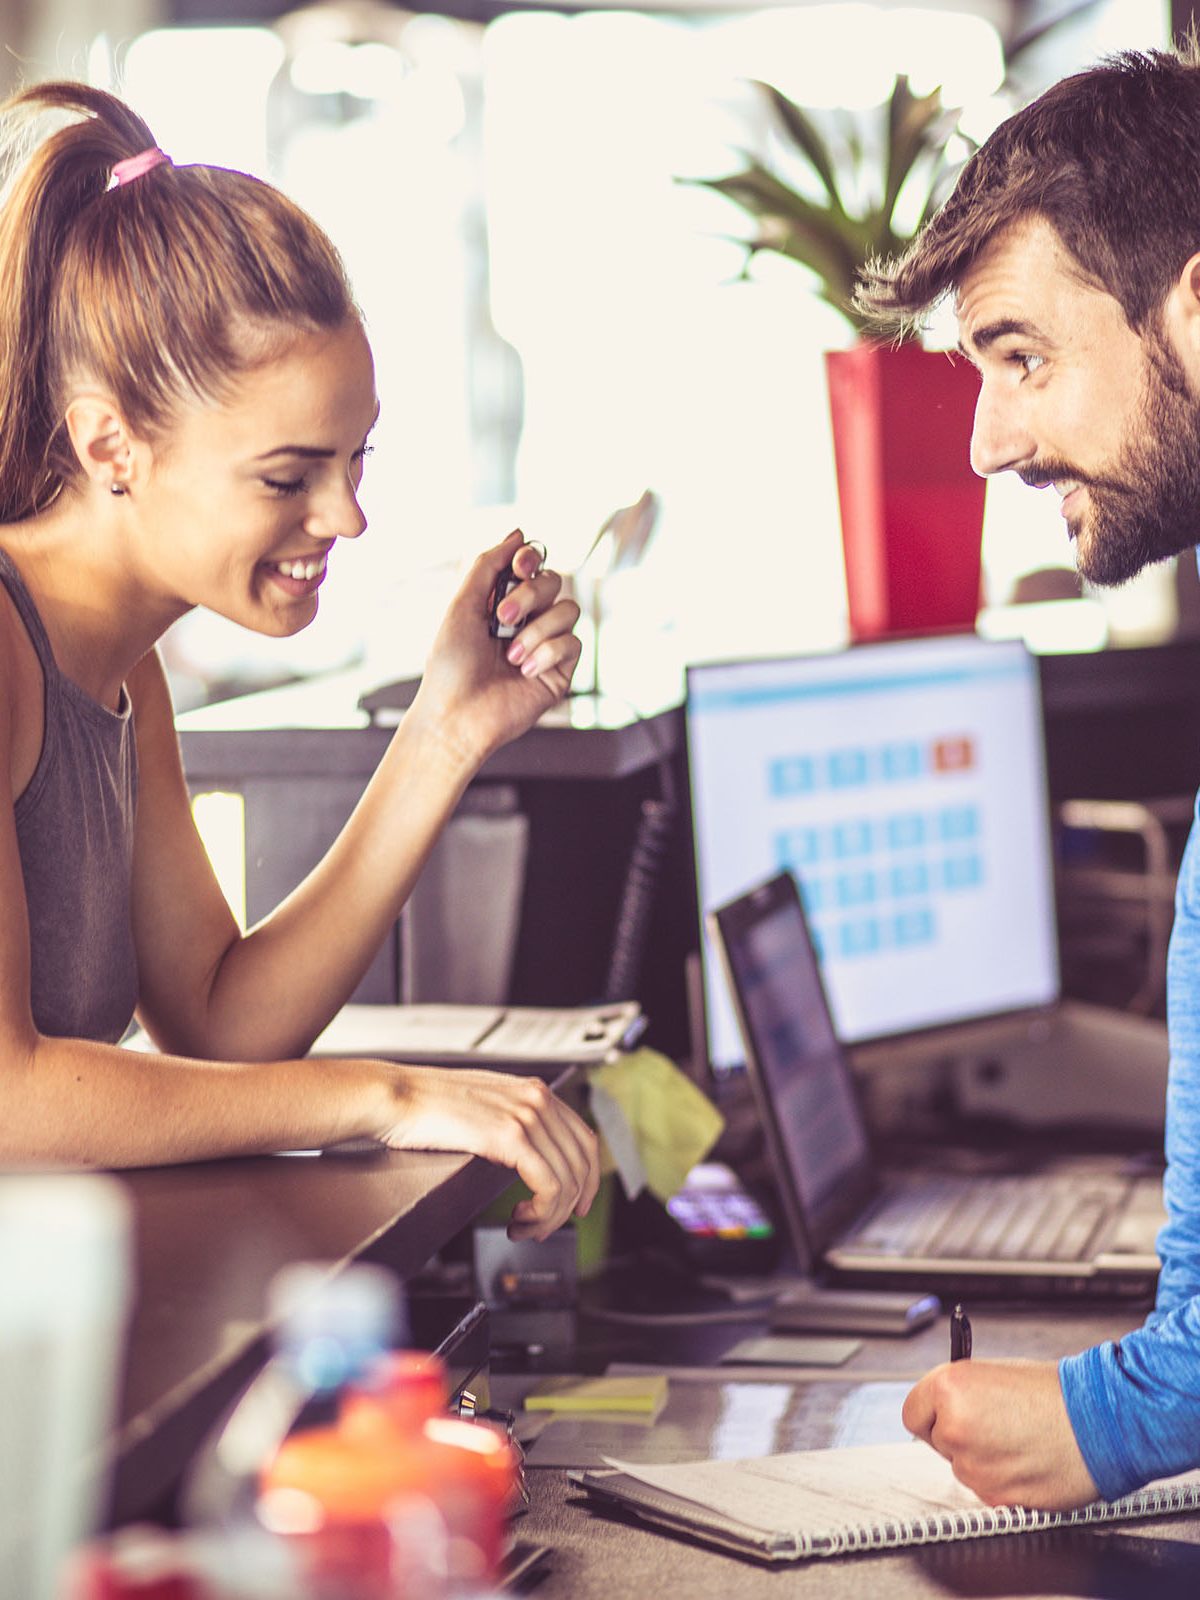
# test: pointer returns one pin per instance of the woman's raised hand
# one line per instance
(485, 691)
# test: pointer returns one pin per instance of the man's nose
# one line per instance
(1000, 441)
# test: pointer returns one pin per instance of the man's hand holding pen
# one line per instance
(1002, 1425)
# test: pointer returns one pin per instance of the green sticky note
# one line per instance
(646, 1396)
(672, 1123)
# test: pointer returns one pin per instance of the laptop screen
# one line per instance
(818, 1139)
(904, 785)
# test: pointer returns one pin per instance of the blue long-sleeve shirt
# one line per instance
(1135, 1404)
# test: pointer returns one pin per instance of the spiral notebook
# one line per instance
(844, 1502)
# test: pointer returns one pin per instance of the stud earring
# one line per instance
(116, 488)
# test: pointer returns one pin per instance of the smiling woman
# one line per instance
(263, 485)
(186, 394)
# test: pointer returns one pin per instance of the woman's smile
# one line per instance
(298, 576)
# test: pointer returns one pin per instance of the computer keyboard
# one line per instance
(979, 1219)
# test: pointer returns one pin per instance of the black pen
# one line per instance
(960, 1334)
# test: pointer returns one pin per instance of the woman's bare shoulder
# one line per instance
(153, 712)
(147, 683)
(21, 695)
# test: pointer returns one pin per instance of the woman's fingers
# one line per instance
(544, 621)
(518, 1122)
(552, 663)
(546, 1157)
(534, 597)
(548, 640)
(578, 1148)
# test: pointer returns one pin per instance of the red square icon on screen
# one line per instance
(954, 755)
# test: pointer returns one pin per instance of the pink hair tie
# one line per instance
(134, 166)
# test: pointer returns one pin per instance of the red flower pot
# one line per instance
(912, 509)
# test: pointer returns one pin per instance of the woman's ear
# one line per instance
(102, 442)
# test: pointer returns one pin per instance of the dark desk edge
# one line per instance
(151, 1449)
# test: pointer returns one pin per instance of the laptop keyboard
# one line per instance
(990, 1219)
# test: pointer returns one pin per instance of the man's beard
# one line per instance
(1149, 508)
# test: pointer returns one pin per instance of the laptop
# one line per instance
(1083, 1227)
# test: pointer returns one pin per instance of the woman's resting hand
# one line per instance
(516, 1121)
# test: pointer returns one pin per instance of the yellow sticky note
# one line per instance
(643, 1395)
(672, 1123)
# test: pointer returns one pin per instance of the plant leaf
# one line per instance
(1035, 34)
(803, 131)
(835, 289)
(810, 240)
(855, 157)
(941, 180)
(911, 131)
(757, 190)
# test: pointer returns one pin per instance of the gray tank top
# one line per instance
(75, 835)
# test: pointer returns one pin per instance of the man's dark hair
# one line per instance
(1109, 157)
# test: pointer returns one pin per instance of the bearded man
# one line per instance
(1071, 248)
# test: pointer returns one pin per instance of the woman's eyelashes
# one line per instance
(286, 487)
(293, 486)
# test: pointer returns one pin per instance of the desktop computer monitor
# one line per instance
(903, 783)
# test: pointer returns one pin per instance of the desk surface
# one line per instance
(596, 1556)
(209, 1238)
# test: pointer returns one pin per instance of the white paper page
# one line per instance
(365, 1030)
(517, 1033)
(819, 1492)
(583, 1032)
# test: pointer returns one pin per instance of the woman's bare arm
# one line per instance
(93, 1104)
(208, 991)
(87, 1104)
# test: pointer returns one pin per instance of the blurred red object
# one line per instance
(395, 1497)
(137, 1564)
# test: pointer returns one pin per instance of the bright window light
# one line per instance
(645, 364)
(176, 76)
(848, 55)
(99, 62)
(949, 50)
(220, 820)
(331, 66)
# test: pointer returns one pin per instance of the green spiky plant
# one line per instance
(860, 183)
(855, 215)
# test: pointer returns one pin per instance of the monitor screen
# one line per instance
(903, 783)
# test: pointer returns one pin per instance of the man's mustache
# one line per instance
(1043, 473)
